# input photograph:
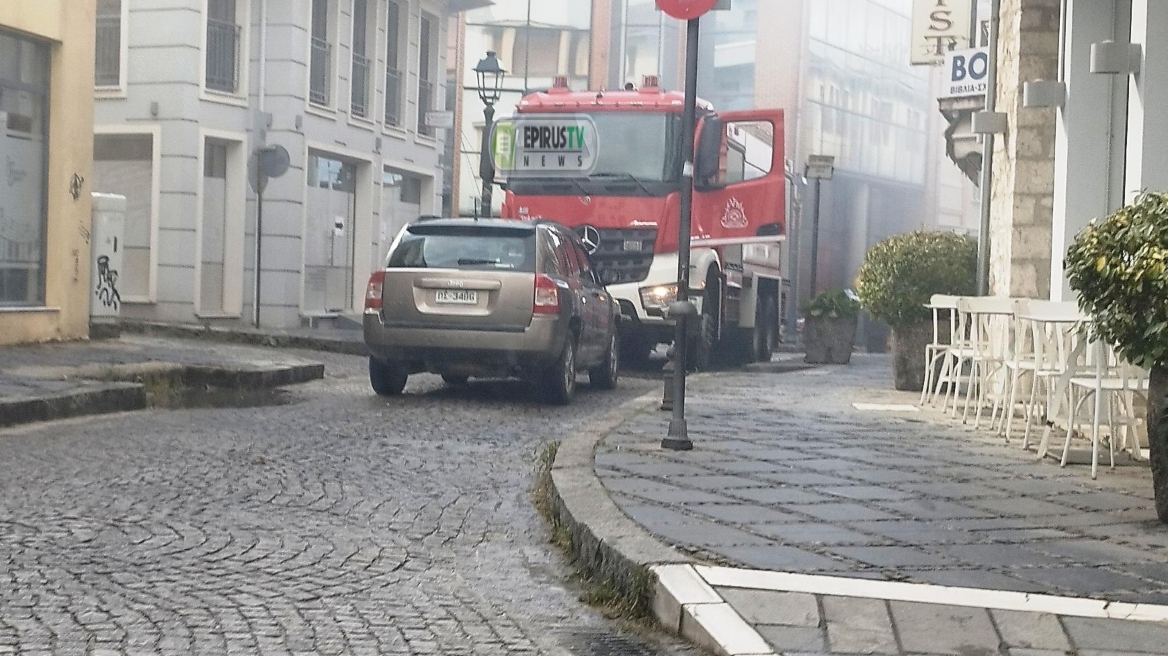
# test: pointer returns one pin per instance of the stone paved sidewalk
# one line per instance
(41, 382)
(787, 475)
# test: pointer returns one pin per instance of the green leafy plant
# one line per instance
(831, 305)
(1119, 267)
(901, 273)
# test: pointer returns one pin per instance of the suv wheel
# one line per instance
(387, 379)
(560, 380)
(456, 381)
(604, 375)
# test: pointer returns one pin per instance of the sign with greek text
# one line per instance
(965, 73)
(938, 27)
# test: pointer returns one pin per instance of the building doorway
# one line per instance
(330, 235)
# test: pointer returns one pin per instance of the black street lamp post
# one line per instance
(490, 80)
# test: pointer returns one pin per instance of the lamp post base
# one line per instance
(678, 437)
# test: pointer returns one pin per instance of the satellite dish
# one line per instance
(274, 161)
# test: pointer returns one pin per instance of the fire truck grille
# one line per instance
(623, 255)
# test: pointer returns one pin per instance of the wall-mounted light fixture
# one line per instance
(989, 123)
(1044, 93)
(1115, 58)
(154, 108)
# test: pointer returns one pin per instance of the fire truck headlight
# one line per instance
(659, 297)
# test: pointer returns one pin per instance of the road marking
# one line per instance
(886, 407)
(838, 586)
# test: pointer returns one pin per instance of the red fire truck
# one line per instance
(626, 211)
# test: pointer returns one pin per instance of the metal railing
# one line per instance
(107, 68)
(359, 100)
(222, 56)
(425, 104)
(320, 72)
(393, 96)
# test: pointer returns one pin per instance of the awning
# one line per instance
(961, 144)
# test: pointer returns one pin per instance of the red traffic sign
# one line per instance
(686, 9)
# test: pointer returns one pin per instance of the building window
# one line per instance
(321, 65)
(24, 85)
(107, 68)
(364, 33)
(223, 46)
(427, 61)
(393, 57)
(537, 52)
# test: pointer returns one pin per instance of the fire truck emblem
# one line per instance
(735, 215)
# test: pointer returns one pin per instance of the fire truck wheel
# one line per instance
(701, 346)
(635, 348)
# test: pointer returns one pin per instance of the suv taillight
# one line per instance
(547, 296)
(374, 290)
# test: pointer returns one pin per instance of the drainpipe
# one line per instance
(987, 159)
(263, 93)
(263, 54)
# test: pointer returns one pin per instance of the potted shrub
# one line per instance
(829, 328)
(1119, 268)
(899, 276)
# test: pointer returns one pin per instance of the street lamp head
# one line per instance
(490, 78)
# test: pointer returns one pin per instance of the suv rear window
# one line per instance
(465, 248)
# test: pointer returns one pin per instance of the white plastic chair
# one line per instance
(944, 309)
(1042, 344)
(991, 320)
(959, 353)
(1119, 381)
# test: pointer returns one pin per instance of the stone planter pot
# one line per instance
(908, 355)
(1158, 438)
(829, 341)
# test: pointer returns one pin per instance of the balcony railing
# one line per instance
(107, 69)
(425, 104)
(359, 102)
(393, 96)
(222, 56)
(320, 72)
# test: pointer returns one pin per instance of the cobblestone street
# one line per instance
(334, 523)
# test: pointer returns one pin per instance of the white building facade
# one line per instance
(189, 90)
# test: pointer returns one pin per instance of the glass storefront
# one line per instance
(24, 84)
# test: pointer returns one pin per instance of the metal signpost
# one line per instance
(819, 168)
(269, 162)
(691, 11)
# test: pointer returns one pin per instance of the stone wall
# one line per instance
(1023, 180)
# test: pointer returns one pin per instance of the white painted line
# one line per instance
(886, 407)
(728, 630)
(686, 586)
(838, 586)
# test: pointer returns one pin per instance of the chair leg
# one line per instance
(1009, 420)
(930, 365)
(974, 366)
(942, 377)
(1030, 412)
(1071, 425)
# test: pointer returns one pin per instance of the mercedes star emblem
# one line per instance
(590, 237)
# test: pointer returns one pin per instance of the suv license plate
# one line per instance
(632, 245)
(456, 296)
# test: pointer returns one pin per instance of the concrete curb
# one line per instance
(608, 545)
(102, 399)
(240, 336)
(128, 394)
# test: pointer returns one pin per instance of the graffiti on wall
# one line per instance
(107, 283)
